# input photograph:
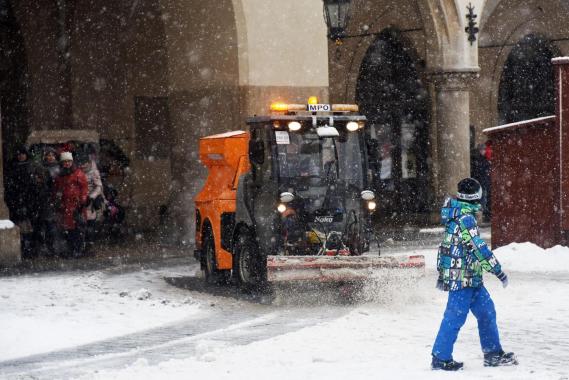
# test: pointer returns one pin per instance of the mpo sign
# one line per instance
(319, 107)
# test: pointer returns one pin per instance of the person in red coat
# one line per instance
(71, 192)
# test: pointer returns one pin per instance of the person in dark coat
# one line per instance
(480, 171)
(71, 192)
(46, 229)
(21, 190)
(113, 214)
(51, 163)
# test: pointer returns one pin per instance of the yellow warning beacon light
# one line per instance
(345, 108)
(284, 107)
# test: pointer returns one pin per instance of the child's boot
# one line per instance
(501, 358)
(446, 365)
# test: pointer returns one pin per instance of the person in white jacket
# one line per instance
(95, 201)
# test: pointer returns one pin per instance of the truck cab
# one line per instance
(308, 172)
(289, 199)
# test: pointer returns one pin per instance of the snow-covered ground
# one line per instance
(40, 313)
(389, 336)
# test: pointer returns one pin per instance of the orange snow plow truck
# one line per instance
(289, 200)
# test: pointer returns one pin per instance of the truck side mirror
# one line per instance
(257, 152)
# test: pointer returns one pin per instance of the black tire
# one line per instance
(213, 276)
(355, 239)
(249, 266)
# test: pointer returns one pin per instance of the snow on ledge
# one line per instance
(560, 60)
(6, 224)
(519, 124)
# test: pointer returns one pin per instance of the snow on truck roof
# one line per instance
(226, 134)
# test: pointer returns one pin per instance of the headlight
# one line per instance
(281, 208)
(371, 205)
(294, 126)
(367, 195)
(352, 126)
(286, 197)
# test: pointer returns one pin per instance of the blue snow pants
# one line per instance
(459, 303)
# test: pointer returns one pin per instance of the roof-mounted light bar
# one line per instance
(314, 107)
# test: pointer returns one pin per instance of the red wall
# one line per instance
(530, 174)
(525, 183)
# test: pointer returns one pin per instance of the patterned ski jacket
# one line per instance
(463, 255)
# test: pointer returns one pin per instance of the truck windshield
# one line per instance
(305, 155)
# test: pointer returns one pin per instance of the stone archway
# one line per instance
(392, 96)
(13, 126)
(527, 87)
(13, 86)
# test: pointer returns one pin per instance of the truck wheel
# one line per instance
(249, 267)
(212, 274)
(355, 237)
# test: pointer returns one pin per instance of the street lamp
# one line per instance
(337, 15)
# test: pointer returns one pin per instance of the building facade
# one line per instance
(153, 76)
(429, 87)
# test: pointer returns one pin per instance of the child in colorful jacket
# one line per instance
(462, 258)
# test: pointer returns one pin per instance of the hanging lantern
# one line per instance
(337, 15)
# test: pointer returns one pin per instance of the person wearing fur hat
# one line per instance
(463, 257)
(71, 193)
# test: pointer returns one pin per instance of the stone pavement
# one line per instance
(107, 255)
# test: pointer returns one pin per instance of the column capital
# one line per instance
(453, 80)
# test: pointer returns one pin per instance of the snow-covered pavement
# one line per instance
(111, 325)
(51, 312)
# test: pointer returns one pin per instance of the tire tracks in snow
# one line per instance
(233, 326)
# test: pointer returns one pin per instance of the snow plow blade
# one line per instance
(335, 268)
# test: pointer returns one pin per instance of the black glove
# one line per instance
(502, 277)
(440, 284)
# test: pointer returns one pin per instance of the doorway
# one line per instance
(527, 85)
(391, 95)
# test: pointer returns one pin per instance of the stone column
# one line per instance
(10, 252)
(452, 146)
